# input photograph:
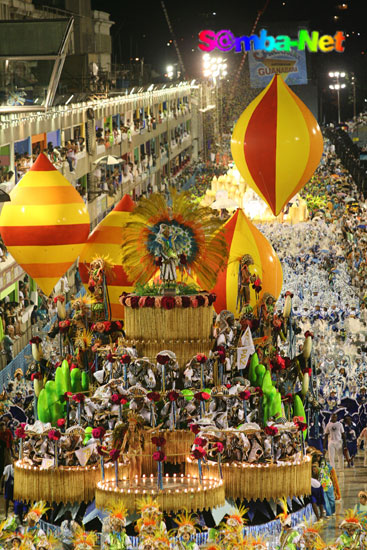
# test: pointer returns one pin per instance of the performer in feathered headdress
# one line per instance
(182, 236)
(84, 540)
(288, 536)
(49, 542)
(310, 535)
(149, 510)
(351, 531)
(117, 539)
(185, 532)
(33, 517)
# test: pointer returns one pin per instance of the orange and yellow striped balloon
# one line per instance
(45, 225)
(106, 240)
(277, 144)
(244, 238)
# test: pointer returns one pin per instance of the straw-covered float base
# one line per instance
(260, 481)
(182, 330)
(62, 484)
(177, 448)
(178, 493)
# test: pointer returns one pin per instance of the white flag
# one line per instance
(247, 342)
(84, 454)
(243, 355)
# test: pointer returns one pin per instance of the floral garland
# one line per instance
(167, 302)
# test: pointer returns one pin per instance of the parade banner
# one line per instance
(264, 65)
(247, 348)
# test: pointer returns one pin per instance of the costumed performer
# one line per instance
(117, 539)
(32, 518)
(351, 532)
(288, 536)
(134, 441)
(186, 530)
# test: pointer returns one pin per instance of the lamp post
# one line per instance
(337, 85)
(215, 70)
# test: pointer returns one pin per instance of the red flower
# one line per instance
(202, 396)
(159, 456)
(118, 325)
(54, 435)
(115, 398)
(201, 300)
(186, 302)
(78, 398)
(73, 366)
(228, 386)
(125, 359)
(36, 376)
(200, 441)
(135, 302)
(309, 333)
(194, 428)
(99, 432)
(109, 357)
(271, 430)
(288, 398)
(198, 453)
(259, 391)
(20, 433)
(114, 454)
(307, 371)
(288, 293)
(219, 446)
(302, 426)
(101, 450)
(123, 401)
(158, 440)
(150, 301)
(173, 395)
(66, 395)
(35, 340)
(153, 396)
(257, 285)
(61, 422)
(244, 395)
(201, 358)
(168, 302)
(221, 355)
(163, 359)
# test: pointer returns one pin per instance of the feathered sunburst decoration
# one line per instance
(84, 540)
(83, 340)
(284, 505)
(185, 524)
(147, 505)
(83, 302)
(37, 510)
(237, 517)
(256, 543)
(49, 542)
(118, 511)
(352, 518)
(195, 235)
(103, 263)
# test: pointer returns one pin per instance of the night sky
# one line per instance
(141, 29)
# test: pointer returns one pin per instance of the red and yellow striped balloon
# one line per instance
(106, 240)
(277, 144)
(45, 225)
(244, 238)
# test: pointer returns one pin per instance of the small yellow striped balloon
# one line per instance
(106, 240)
(276, 144)
(45, 225)
(243, 238)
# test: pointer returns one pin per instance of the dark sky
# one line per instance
(141, 30)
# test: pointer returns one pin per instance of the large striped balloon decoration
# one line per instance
(106, 240)
(45, 225)
(277, 144)
(243, 238)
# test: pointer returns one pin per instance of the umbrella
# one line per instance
(109, 159)
(18, 413)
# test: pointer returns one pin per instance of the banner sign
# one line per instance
(264, 65)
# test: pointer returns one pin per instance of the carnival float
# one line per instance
(187, 391)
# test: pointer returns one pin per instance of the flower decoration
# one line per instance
(102, 450)
(186, 302)
(271, 430)
(212, 297)
(198, 453)
(54, 435)
(202, 396)
(200, 441)
(154, 396)
(173, 395)
(134, 302)
(159, 441)
(114, 454)
(201, 358)
(115, 398)
(99, 432)
(159, 456)
(125, 359)
(61, 422)
(64, 326)
(20, 432)
(163, 359)
(194, 428)
(149, 302)
(123, 400)
(36, 376)
(244, 395)
(257, 285)
(259, 391)
(309, 333)
(35, 340)
(59, 298)
(219, 446)
(168, 302)
(200, 300)
(79, 398)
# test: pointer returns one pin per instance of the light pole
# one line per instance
(337, 85)
(215, 70)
